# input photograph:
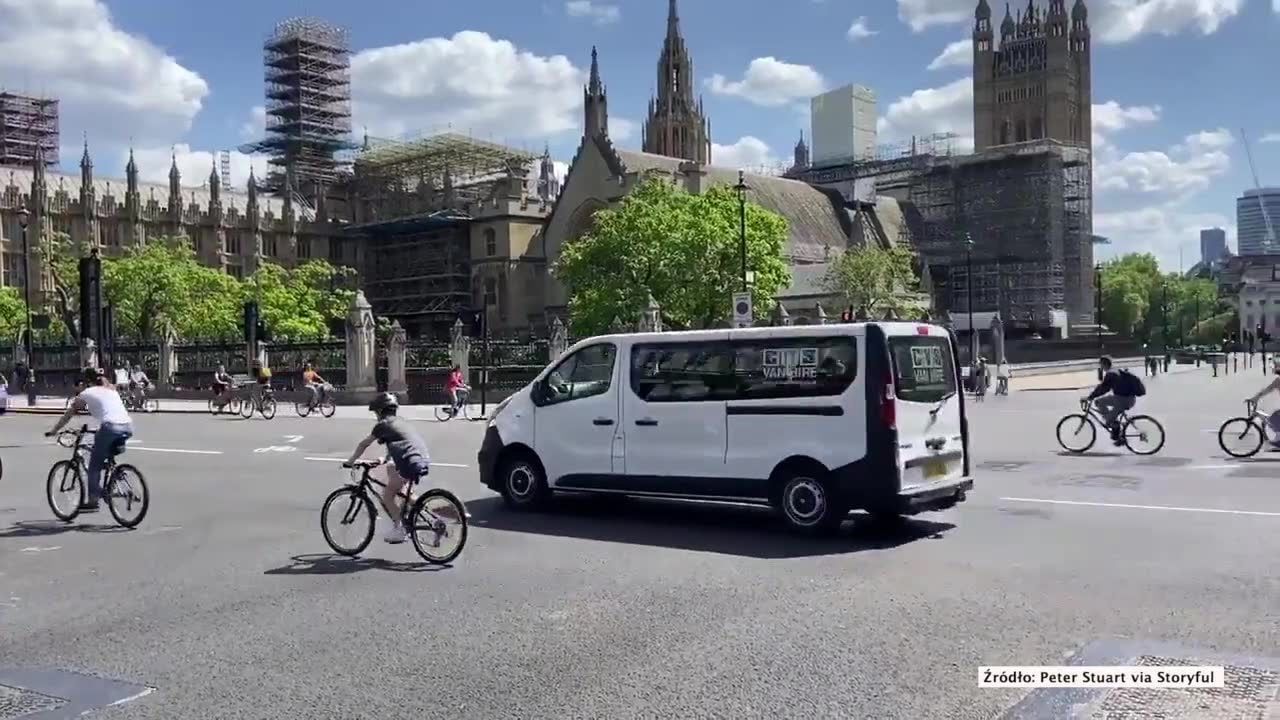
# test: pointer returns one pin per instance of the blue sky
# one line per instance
(1174, 81)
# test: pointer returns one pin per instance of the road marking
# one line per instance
(162, 529)
(133, 697)
(41, 549)
(276, 448)
(340, 460)
(1220, 511)
(178, 450)
(1214, 467)
(292, 439)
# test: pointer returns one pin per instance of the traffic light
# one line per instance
(251, 321)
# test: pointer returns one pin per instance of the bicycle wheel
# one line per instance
(1076, 433)
(247, 406)
(233, 405)
(151, 405)
(1143, 435)
(443, 414)
(328, 407)
(439, 522)
(214, 407)
(126, 495)
(1240, 437)
(348, 502)
(464, 411)
(268, 408)
(65, 490)
(302, 407)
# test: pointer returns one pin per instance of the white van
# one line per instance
(814, 420)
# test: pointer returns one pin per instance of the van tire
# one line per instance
(523, 482)
(808, 501)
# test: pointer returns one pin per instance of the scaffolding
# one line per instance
(468, 167)
(307, 68)
(1022, 215)
(27, 123)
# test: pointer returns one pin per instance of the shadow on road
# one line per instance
(323, 564)
(1096, 454)
(45, 528)
(730, 530)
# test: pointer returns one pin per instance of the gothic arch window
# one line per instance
(583, 219)
(490, 242)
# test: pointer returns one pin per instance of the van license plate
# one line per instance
(934, 470)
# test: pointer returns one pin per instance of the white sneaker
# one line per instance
(394, 533)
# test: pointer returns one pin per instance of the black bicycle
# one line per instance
(145, 404)
(1242, 437)
(1077, 432)
(322, 403)
(445, 413)
(124, 488)
(263, 402)
(429, 517)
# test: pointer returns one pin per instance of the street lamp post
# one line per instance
(742, 188)
(1097, 312)
(24, 218)
(973, 336)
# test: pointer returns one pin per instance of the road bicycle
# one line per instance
(445, 413)
(123, 488)
(324, 404)
(428, 518)
(1242, 437)
(263, 402)
(1142, 434)
(230, 402)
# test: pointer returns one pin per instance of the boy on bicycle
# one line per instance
(1125, 389)
(408, 454)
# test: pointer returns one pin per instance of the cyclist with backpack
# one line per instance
(1125, 389)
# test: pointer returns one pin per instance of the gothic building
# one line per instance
(1036, 84)
(676, 126)
(230, 230)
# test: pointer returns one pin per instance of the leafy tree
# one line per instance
(874, 279)
(63, 260)
(162, 286)
(683, 249)
(299, 304)
(13, 314)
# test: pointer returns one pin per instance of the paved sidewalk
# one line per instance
(1088, 379)
(46, 405)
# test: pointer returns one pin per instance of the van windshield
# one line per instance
(923, 370)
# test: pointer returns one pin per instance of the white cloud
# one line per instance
(193, 165)
(621, 129)
(1159, 229)
(472, 82)
(114, 84)
(859, 30)
(1111, 116)
(1112, 21)
(749, 153)
(1186, 168)
(256, 126)
(770, 82)
(956, 54)
(947, 109)
(1275, 136)
(561, 170)
(599, 13)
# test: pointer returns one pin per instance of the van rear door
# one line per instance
(931, 442)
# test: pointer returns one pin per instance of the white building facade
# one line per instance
(843, 125)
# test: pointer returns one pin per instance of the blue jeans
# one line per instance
(107, 436)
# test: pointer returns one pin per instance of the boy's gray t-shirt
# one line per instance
(405, 446)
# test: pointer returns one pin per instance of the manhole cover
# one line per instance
(16, 702)
(1165, 462)
(1248, 693)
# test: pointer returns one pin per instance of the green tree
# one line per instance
(13, 314)
(298, 304)
(63, 261)
(683, 249)
(874, 279)
(162, 286)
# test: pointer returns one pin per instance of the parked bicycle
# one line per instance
(322, 402)
(263, 402)
(428, 518)
(123, 487)
(445, 413)
(1077, 432)
(1242, 437)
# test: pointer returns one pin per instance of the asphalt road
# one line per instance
(226, 602)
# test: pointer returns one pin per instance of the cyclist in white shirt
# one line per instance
(115, 427)
(138, 384)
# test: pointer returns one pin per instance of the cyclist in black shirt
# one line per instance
(407, 452)
(1125, 389)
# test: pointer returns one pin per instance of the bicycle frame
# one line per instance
(367, 483)
(1091, 410)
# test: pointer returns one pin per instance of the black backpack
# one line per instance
(1130, 384)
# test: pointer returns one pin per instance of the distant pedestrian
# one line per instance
(1002, 377)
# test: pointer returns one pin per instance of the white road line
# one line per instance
(1220, 511)
(339, 460)
(176, 450)
(1214, 467)
(133, 697)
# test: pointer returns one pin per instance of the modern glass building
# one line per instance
(1251, 222)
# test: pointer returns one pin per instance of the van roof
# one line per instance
(890, 328)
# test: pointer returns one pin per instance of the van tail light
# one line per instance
(889, 405)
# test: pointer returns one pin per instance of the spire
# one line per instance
(673, 20)
(252, 191)
(85, 162)
(676, 126)
(1007, 27)
(215, 184)
(983, 11)
(593, 84)
(131, 174)
(801, 153)
(595, 103)
(1079, 13)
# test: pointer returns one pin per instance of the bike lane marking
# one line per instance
(1126, 506)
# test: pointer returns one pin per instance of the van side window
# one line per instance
(683, 372)
(795, 367)
(585, 373)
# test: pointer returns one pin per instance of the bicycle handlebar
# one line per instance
(362, 464)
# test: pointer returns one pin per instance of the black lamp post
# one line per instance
(742, 188)
(1097, 313)
(24, 218)
(968, 260)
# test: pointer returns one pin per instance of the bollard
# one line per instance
(1215, 366)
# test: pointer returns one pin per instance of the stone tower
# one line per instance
(676, 126)
(1036, 83)
(595, 103)
(801, 154)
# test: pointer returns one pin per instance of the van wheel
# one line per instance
(524, 484)
(809, 503)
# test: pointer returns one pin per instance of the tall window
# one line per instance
(12, 276)
(111, 234)
(269, 247)
(335, 250)
(233, 243)
(304, 249)
(490, 292)
(490, 242)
